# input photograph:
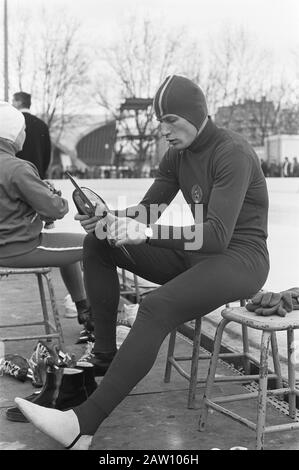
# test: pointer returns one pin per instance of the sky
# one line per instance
(274, 23)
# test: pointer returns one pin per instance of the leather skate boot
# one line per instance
(89, 380)
(64, 388)
(100, 362)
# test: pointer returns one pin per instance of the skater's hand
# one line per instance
(121, 230)
(87, 222)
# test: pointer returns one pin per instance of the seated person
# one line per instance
(26, 201)
(223, 257)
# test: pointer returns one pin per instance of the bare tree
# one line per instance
(227, 69)
(135, 63)
(266, 108)
(22, 54)
(289, 118)
(235, 65)
(50, 64)
(63, 70)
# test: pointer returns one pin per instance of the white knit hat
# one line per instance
(11, 121)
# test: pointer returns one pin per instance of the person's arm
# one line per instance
(159, 195)
(36, 194)
(156, 199)
(47, 149)
(231, 178)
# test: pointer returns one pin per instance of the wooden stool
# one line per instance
(173, 361)
(136, 289)
(268, 326)
(126, 289)
(50, 330)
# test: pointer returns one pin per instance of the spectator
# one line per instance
(26, 202)
(295, 169)
(265, 167)
(37, 145)
(274, 169)
(286, 167)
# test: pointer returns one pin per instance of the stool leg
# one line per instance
(276, 362)
(170, 351)
(55, 310)
(211, 374)
(291, 373)
(43, 303)
(194, 363)
(246, 361)
(124, 281)
(137, 290)
(262, 390)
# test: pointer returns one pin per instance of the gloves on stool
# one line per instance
(274, 303)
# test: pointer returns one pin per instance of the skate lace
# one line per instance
(88, 354)
(7, 367)
(43, 352)
(40, 352)
(64, 359)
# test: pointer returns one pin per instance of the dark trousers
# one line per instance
(192, 285)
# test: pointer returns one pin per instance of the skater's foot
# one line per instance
(63, 426)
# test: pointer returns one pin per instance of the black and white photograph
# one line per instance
(149, 228)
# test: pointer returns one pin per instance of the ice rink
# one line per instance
(283, 241)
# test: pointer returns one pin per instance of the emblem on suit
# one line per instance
(196, 193)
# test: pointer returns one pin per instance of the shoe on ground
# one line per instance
(100, 364)
(43, 355)
(70, 310)
(16, 366)
(14, 414)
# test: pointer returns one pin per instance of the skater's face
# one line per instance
(178, 132)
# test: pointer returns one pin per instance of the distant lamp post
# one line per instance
(5, 52)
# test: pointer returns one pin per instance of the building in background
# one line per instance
(252, 119)
(94, 147)
(257, 121)
(84, 146)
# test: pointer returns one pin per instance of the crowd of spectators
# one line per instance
(103, 172)
(286, 168)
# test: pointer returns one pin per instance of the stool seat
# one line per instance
(7, 271)
(271, 323)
